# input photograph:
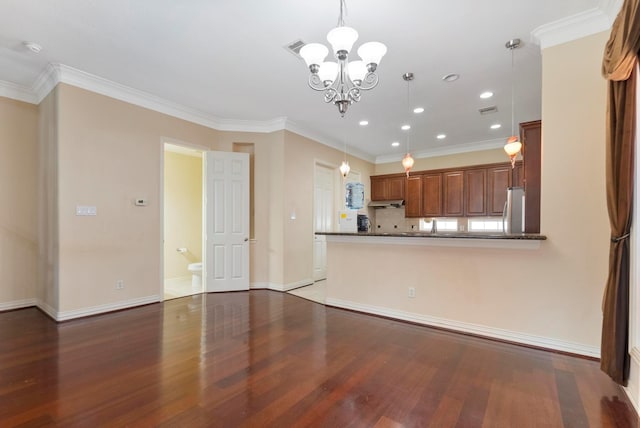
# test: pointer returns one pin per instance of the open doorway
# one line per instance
(183, 214)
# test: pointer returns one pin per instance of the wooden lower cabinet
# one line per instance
(453, 193)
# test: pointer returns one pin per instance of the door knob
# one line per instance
(246, 239)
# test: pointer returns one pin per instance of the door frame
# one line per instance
(186, 145)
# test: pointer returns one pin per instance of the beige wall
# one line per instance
(448, 161)
(47, 175)
(109, 154)
(301, 155)
(18, 199)
(182, 213)
(554, 292)
(267, 246)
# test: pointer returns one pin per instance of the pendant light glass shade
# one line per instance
(407, 163)
(512, 148)
(342, 39)
(345, 168)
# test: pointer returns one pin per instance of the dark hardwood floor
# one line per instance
(268, 359)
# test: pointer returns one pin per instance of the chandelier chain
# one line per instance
(343, 11)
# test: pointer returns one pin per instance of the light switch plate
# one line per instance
(86, 210)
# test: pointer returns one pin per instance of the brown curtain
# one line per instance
(619, 67)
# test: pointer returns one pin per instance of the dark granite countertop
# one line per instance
(465, 235)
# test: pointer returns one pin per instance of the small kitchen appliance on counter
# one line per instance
(363, 223)
(348, 221)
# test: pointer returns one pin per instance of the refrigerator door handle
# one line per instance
(504, 218)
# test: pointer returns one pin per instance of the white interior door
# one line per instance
(323, 217)
(226, 265)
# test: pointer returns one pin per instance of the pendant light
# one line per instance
(513, 145)
(408, 161)
(344, 167)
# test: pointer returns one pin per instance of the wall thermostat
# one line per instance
(141, 202)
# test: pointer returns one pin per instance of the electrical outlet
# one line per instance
(412, 292)
(119, 284)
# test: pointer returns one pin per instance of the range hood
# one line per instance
(396, 203)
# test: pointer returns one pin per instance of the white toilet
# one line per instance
(196, 277)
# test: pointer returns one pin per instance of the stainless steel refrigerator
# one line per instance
(513, 215)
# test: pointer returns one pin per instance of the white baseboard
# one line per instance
(633, 387)
(265, 286)
(297, 284)
(280, 287)
(49, 310)
(480, 330)
(179, 280)
(17, 304)
(95, 310)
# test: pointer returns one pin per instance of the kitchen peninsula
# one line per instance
(459, 281)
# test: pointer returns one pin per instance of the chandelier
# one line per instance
(342, 81)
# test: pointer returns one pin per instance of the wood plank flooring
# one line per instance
(269, 359)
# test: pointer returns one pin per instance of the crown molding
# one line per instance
(444, 151)
(61, 73)
(293, 127)
(17, 92)
(580, 25)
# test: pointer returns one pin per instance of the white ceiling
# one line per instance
(226, 60)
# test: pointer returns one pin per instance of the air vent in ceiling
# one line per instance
(294, 47)
(488, 110)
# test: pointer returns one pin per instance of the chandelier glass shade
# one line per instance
(342, 81)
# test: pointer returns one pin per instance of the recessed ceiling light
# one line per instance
(364, 122)
(452, 77)
(418, 110)
(395, 144)
(486, 95)
(496, 126)
(32, 46)
(441, 136)
(405, 127)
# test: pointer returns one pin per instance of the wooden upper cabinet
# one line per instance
(432, 195)
(396, 188)
(518, 175)
(453, 193)
(413, 196)
(531, 133)
(474, 192)
(498, 180)
(378, 189)
(387, 188)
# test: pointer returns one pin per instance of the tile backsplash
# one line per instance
(393, 220)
